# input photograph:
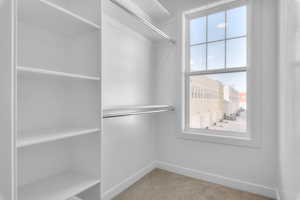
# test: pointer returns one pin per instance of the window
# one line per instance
(216, 74)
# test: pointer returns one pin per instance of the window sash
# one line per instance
(215, 7)
(217, 71)
(226, 69)
(204, 13)
(210, 71)
(226, 39)
(188, 100)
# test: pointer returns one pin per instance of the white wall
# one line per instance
(129, 143)
(6, 103)
(289, 95)
(252, 169)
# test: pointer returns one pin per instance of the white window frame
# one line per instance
(251, 138)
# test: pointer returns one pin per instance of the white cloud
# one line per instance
(221, 25)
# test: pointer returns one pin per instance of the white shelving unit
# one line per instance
(53, 16)
(59, 187)
(140, 16)
(54, 73)
(58, 139)
(38, 137)
(51, 93)
(154, 9)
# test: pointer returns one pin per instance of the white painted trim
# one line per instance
(133, 7)
(163, 8)
(40, 71)
(68, 13)
(211, 6)
(278, 195)
(214, 178)
(14, 98)
(117, 189)
(210, 177)
(253, 138)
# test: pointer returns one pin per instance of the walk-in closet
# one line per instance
(149, 99)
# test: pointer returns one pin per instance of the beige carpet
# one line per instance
(163, 185)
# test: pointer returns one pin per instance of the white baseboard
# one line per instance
(229, 182)
(114, 191)
(213, 178)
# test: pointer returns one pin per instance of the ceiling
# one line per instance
(175, 6)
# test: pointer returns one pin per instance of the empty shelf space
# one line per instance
(54, 73)
(49, 15)
(136, 110)
(59, 187)
(32, 138)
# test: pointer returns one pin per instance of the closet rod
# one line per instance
(145, 22)
(142, 112)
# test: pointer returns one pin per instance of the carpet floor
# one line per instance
(163, 185)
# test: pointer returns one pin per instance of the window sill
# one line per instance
(211, 136)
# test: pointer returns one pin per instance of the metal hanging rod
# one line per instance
(139, 110)
(146, 22)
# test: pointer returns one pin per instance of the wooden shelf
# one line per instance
(32, 138)
(51, 16)
(60, 187)
(54, 73)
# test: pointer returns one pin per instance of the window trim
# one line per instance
(252, 138)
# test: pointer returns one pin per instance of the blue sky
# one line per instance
(236, 80)
(215, 51)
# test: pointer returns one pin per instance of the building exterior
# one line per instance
(243, 100)
(231, 101)
(206, 102)
(212, 102)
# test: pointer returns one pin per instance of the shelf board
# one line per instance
(51, 16)
(59, 187)
(74, 198)
(123, 111)
(154, 9)
(54, 73)
(33, 138)
(126, 15)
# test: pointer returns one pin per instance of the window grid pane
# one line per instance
(216, 55)
(198, 30)
(218, 102)
(216, 26)
(198, 58)
(228, 35)
(236, 22)
(236, 47)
